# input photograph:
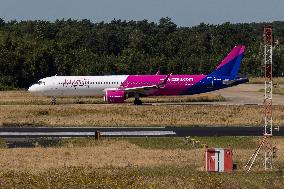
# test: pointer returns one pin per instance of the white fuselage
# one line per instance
(76, 85)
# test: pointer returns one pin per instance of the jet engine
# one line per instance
(115, 96)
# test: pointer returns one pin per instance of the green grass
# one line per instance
(154, 142)
(134, 177)
(260, 80)
(182, 143)
(279, 91)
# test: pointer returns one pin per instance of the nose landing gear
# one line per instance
(53, 100)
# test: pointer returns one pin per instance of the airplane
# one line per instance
(117, 88)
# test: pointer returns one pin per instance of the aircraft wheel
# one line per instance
(53, 100)
(137, 102)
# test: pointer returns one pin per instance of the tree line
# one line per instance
(30, 50)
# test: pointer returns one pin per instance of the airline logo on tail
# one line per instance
(231, 64)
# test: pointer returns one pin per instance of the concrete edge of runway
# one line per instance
(33, 132)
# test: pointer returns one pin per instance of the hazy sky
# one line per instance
(182, 12)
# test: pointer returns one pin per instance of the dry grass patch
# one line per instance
(119, 164)
(130, 115)
(139, 152)
(260, 80)
(26, 98)
(19, 111)
(109, 154)
(137, 177)
(279, 91)
(178, 99)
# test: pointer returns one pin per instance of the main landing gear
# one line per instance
(137, 102)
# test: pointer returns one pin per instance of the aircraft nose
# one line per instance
(31, 89)
(34, 89)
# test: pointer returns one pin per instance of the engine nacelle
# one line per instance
(115, 96)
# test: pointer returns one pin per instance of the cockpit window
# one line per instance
(40, 82)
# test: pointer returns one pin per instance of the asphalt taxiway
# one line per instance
(34, 132)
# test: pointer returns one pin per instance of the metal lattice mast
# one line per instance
(268, 86)
(266, 143)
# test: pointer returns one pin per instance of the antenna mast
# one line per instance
(268, 87)
(266, 144)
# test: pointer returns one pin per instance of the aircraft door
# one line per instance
(54, 88)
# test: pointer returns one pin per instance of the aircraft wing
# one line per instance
(142, 89)
(146, 89)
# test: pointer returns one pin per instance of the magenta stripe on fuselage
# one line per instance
(238, 50)
(175, 85)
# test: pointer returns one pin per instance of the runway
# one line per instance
(34, 132)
